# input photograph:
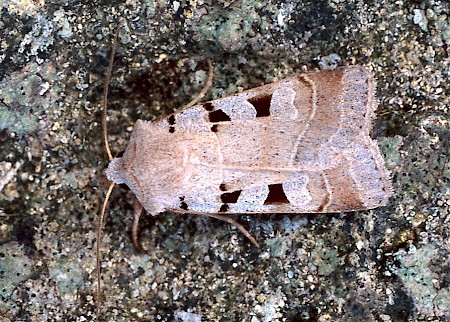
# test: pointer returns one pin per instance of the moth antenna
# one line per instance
(105, 91)
(101, 219)
(102, 216)
(237, 225)
(205, 87)
(135, 230)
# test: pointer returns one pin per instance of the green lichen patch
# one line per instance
(326, 259)
(68, 277)
(15, 267)
(25, 96)
(422, 282)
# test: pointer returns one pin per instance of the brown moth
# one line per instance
(298, 145)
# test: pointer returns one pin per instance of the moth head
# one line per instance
(114, 172)
(120, 172)
(153, 166)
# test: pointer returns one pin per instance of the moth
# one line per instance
(299, 145)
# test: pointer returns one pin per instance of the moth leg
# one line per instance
(237, 225)
(205, 87)
(137, 209)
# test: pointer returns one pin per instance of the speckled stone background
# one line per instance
(388, 264)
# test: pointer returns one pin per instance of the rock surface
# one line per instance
(388, 264)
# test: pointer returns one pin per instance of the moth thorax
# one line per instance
(114, 173)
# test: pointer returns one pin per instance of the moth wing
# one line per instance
(289, 146)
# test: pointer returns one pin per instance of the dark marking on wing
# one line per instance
(276, 195)
(218, 116)
(261, 104)
(122, 185)
(230, 197)
(224, 208)
(183, 205)
(223, 187)
(208, 106)
(171, 120)
(215, 128)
